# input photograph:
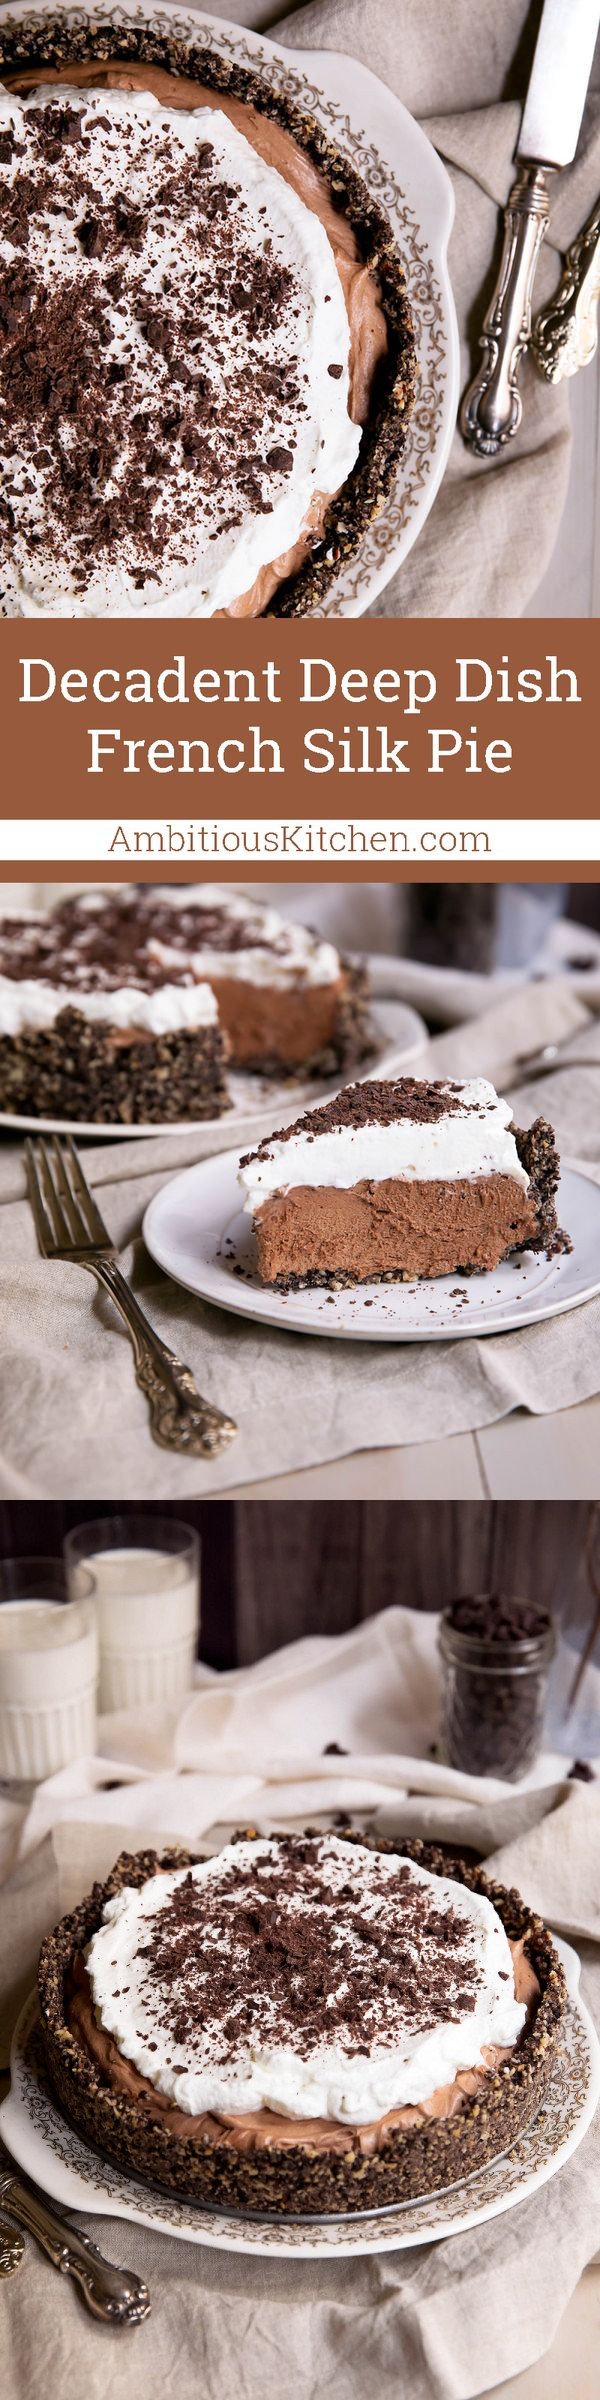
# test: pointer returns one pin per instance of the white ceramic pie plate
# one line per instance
(196, 1231)
(400, 1037)
(405, 175)
(46, 2148)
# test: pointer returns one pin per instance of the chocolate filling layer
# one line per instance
(292, 1027)
(396, 1226)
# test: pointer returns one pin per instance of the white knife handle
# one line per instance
(492, 407)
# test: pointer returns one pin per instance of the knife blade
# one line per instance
(492, 407)
(559, 80)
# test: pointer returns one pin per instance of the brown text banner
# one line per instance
(414, 744)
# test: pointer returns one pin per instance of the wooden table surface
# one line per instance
(521, 1458)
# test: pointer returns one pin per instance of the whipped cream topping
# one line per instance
(175, 1008)
(247, 944)
(467, 1140)
(175, 385)
(305, 1975)
(165, 945)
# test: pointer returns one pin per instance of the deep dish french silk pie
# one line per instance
(303, 2024)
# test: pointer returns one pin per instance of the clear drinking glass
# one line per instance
(48, 1669)
(493, 1699)
(146, 1593)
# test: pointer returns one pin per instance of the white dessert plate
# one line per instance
(49, 2150)
(400, 1037)
(404, 174)
(197, 1232)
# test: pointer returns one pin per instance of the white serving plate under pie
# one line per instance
(400, 1039)
(62, 2165)
(196, 1230)
(403, 173)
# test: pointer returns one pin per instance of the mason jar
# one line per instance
(494, 1689)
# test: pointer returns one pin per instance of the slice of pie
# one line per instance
(400, 1180)
(308, 2023)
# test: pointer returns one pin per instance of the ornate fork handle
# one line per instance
(492, 408)
(179, 1417)
(114, 2294)
(12, 2250)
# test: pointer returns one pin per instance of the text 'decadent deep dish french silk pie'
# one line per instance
(307, 2023)
(206, 355)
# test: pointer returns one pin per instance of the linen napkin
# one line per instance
(398, 2320)
(329, 1722)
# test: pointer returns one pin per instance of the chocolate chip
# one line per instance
(280, 460)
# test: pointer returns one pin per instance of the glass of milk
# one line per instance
(146, 1595)
(48, 1670)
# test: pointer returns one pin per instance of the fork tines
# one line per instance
(66, 1217)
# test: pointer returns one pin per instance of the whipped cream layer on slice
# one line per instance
(306, 1975)
(410, 1130)
(174, 385)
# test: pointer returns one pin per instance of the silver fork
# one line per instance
(534, 1064)
(114, 2294)
(69, 1226)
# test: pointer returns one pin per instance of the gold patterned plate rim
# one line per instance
(361, 115)
(63, 2166)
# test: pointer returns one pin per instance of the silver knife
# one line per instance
(492, 408)
(114, 2294)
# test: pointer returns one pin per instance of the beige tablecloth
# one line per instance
(72, 1419)
(463, 72)
(441, 2322)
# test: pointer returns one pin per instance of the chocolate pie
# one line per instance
(310, 2023)
(127, 1007)
(206, 355)
(400, 1180)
